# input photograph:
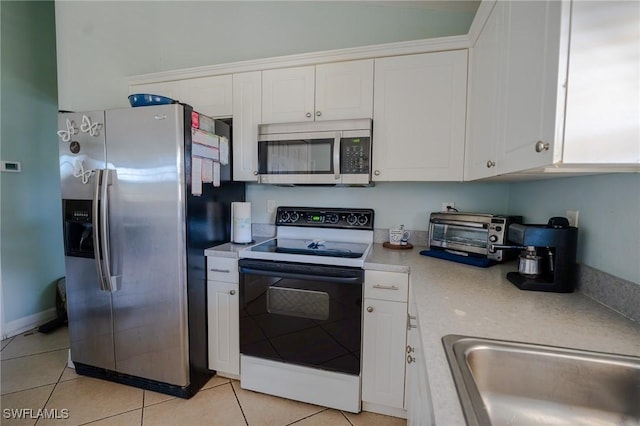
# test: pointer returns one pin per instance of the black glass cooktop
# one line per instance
(312, 247)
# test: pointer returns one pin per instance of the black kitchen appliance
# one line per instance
(548, 260)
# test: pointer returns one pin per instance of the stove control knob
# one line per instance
(493, 238)
(294, 217)
(352, 219)
(362, 220)
(284, 217)
(332, 218)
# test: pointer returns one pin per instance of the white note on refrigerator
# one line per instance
(207, 170)
(216, 174)
(224, 150)
(196, 176)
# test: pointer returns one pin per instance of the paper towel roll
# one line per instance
(240, 222)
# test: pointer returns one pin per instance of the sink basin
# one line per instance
(510, 383)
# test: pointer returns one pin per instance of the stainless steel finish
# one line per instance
(410, 359)
(314, 126)
(318, 113)
(150, 313)
(491, 164)
(530, 263)
(104, 231)
(494, 247)
(95, 220)
(385, 287)
(232, 292)
(88, 307)
(542, 146)
(336, 155)
(308, 115)
(501, 382)
(369, 308)
(224, 271)
(377, 172)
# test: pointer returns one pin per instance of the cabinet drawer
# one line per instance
(222, 269)
(386, 285)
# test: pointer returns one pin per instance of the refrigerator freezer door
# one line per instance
(82, 150)
(147, 241)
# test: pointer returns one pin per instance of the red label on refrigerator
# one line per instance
(195, 120)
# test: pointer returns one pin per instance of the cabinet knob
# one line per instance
(377, 172)
(370, 309)
(232, 292)
(541, 146)
(491, 164)
(308, 115)
(255, 173)
(410, 359)
(318, 113)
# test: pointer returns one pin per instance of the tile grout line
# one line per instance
(35, 353)
(239, 404)
(306, 417)
(346, 417)
(55, 385)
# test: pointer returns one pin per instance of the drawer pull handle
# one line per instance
(386, 287)
(224, 271)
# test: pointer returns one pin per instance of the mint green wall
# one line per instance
(31, 248)
(609, 220)
(134, 37)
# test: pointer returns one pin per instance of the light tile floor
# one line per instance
(34, 376)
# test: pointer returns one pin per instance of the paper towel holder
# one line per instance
(241, 223)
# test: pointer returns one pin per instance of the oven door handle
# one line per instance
(339, 280)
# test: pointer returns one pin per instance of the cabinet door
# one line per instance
(383, 352)
(247, 114)
(211, 96)
(419, 117)
(417, 394)
(485, 82)
(288, 95)
(224, 330)
(532, 58)
(344, 90)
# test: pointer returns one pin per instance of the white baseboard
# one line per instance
(15, 327)
(383, 409)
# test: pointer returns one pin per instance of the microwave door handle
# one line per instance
(336, 155)
(95, 221)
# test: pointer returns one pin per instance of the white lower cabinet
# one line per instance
(223, 317)
(384, 342)
(417, 392)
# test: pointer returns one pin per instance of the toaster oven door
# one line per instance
(471, 238)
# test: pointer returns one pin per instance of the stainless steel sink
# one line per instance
(509, 383)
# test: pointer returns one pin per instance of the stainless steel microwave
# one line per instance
(334, 152)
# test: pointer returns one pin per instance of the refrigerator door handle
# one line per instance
(95, 221)
(104, 230)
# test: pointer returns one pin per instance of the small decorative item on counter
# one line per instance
(398, 239)
(147, 99)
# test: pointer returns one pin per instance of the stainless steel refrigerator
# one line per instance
(135, 236)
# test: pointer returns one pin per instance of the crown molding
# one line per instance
(312, 58)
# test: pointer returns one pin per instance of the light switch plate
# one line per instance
(572, 215)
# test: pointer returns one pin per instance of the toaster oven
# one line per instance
(471, 234)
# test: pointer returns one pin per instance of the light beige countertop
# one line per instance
(453, 298)
(231, 249)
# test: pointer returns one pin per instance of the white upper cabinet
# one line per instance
(247, 114)
(333, 91)
(419, 117)
(211, 96)
(553, 87)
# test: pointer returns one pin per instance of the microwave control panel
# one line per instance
(355, 152)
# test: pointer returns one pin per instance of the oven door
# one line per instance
(302, 314)
(466, 237)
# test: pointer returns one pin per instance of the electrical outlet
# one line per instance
(448, 204)
(572, 215)
(271, 206)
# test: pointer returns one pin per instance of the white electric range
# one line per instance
(301, 306)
